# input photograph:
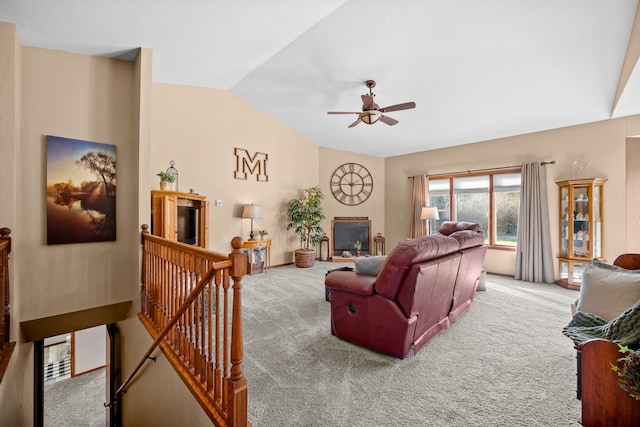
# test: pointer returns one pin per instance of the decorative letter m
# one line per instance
(247, 164)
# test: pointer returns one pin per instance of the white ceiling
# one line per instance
(477, 70)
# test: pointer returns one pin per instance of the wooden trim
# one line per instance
(51, 326)
(6, 345)
(38, 383)
(73, 354)
(5, 356)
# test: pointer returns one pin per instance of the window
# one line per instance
(471, 200)
(490, 199)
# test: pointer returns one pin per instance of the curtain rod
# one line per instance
(552, 162)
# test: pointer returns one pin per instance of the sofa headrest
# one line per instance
(468, 238)
(449, 227)
(410, 252)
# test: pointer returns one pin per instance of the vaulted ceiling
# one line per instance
(476, 70)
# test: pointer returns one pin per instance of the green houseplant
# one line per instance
(628, 371)
(304, 215)
(357, 245)
(167, 180)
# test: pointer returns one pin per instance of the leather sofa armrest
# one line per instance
(349, 281)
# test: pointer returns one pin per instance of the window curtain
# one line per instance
(534, 262)
(420, 196)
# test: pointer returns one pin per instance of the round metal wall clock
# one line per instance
(351, 184)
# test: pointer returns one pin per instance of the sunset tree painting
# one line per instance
(81, 191)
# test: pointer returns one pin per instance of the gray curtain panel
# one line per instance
(534, 261)
(420, 197)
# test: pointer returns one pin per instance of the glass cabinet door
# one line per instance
(581, 220)
(596, 235)
(564, 222)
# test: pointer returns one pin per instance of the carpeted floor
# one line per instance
(505, 362)
(77, 401)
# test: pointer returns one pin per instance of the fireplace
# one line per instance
(345, 232)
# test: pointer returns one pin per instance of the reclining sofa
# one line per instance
(424, 285)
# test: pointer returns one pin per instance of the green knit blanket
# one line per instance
(624, 329)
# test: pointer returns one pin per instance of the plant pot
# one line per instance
(167, 186)
(305, 258)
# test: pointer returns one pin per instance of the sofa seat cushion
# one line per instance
(349, 281)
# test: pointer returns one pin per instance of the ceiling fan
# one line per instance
(371, 113)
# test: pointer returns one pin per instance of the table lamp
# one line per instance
(253, 212)
(428, 213)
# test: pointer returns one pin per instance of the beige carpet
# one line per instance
(505, 362)
(76, 402)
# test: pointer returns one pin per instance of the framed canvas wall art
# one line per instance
(81, 191)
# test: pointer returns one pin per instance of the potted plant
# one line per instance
(304, 214)
(262, 233)
(629, 371)
(357, 245)
(167, 181)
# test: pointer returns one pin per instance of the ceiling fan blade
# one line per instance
(367, 102)
(388, 120)
(405, 106)
(355, 123)
(343, 112)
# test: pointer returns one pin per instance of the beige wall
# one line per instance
(633, 189)
(373, 207)
(199, 128)
(89, 98)
(602, 144)
(80, 97)
(15, 397)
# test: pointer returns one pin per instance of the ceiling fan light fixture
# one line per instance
(370, 117)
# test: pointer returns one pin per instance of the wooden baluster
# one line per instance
(144, 272)
(237, 383)
(218, 368)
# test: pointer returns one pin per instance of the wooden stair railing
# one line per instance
(6, 346)
(185, 303)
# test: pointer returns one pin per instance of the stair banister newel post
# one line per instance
(143, 271)
(237, 383)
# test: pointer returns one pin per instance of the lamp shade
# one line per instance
(429, 212)
(370, 117)
(251, 211)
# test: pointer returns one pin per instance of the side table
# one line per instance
(261, 246)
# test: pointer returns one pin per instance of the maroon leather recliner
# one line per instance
(425, 284)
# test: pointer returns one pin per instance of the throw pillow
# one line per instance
(369, 265)
(608, 290)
